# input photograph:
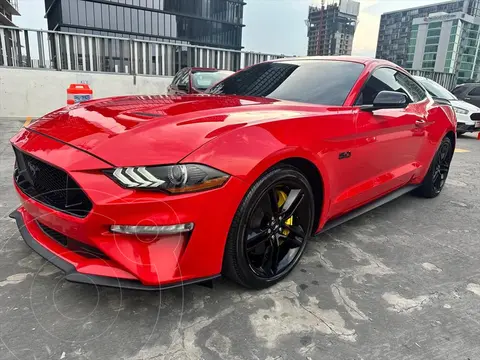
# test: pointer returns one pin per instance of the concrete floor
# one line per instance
(402, 282)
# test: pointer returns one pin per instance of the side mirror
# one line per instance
(387, 100)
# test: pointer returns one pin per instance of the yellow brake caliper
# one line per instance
(282, 197)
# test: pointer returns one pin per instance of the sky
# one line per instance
(274, 26)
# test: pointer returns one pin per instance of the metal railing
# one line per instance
(44, 49)
(447, 80)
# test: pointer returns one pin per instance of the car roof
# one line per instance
(468, 84)
(356, 59)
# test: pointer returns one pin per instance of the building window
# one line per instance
(468, 58)
(434, 32)
(470, 51)
(473, 34)
(472, 43)
(434, 25)
(428, 64)
(430, 57)
(433, 40)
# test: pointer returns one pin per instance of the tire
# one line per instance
(251, 264)
(460, 133)
(434, 181)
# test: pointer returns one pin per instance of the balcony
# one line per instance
(11, 6)
(7, 9)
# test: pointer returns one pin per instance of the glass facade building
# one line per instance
(395, 27)
(215, 23)
(440, 38)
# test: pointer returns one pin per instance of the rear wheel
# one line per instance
(437, 174)
(270, 230)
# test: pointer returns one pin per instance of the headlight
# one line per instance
(174, 179)
(460, 110)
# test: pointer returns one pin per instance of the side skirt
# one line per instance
(366, 208)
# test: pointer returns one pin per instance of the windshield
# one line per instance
(435, 89)
(325, 82)
(202, 80)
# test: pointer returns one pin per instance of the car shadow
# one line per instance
(469, 136)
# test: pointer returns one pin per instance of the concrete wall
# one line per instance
(33, 93)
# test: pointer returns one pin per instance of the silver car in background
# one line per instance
(468, 115)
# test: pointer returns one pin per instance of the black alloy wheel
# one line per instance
(438, 172)
(271, 228)
(441, 167)
(275, 232)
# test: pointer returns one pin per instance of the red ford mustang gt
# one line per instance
(151, 192)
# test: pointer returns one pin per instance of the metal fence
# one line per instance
(44, 49)
(447, 80)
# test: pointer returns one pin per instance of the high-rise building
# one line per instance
(216, 23)
(440, 37)
(7, 9)
(331, 28)
(447, 43)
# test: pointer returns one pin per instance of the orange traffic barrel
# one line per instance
(78, 93)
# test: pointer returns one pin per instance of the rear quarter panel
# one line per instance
(442, 120)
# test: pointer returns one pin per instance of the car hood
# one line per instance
(153, 130)
(464, 105)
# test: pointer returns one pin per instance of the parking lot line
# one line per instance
(461, 151)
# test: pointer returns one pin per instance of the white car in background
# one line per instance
(468, 115)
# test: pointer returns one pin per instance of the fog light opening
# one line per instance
(152, 230)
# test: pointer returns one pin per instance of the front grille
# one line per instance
(71, 244)
(50, 185)
(475, 117)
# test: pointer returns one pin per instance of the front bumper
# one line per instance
(468, 127)
(71, 273)
(466, 124)
(127, 261)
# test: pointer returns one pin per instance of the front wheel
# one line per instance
(270, 230)
(437, 175)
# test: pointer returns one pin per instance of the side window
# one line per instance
(475, 91)
(415, 91)
(458, 90)
(383, 79)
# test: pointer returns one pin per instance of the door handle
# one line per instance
(420, 122)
